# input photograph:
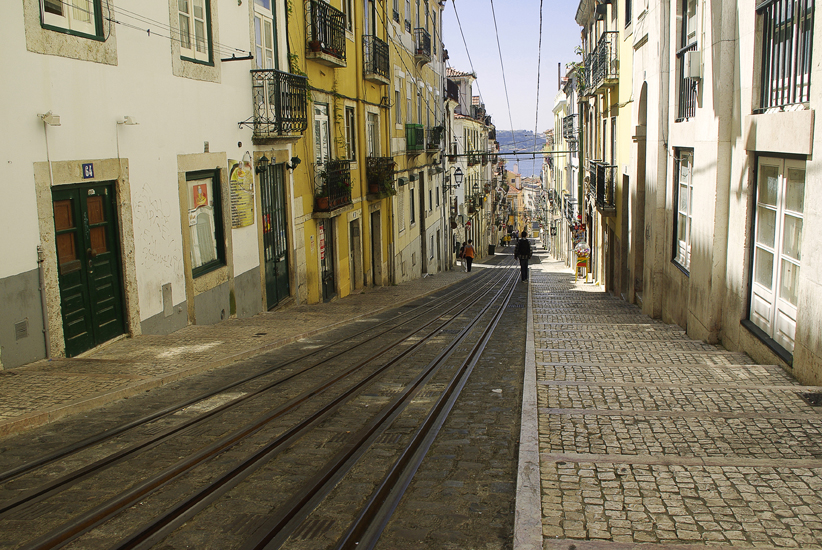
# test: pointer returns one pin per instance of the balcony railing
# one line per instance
(484, 159)
(787, 43)
(687, 87)
(375, 58)
(433, 138)
(473, 159)
(603, 185)
(414, 138)
(569, 128)
(422, 44)
(332, 188)
(326, 30)
(606, 67)
(280, 105)
(379, 172)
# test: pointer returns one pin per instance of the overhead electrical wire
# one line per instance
(217, 47)
(536, 109)
(504, 81)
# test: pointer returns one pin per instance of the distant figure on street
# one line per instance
(469, 255)
(461, 256)
(522, 252)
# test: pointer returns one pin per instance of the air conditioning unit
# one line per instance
(693, 64)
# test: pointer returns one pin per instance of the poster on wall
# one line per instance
(200, 195)
(241, 184)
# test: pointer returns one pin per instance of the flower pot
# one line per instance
(322, 203)
(373, 188)
(315, 45)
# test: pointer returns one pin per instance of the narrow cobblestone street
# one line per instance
(646, 436)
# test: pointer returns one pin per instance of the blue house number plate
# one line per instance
(88, 171)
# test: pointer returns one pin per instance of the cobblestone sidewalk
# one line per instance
(647, 437)
(44, 391)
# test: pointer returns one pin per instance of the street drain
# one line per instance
(313, 528)
(516, 305)
(812, 399)
(390, 439)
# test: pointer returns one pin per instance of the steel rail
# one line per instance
(113, 432)
(369, 525)
(276, 530)
(105, 511)
(156, 439)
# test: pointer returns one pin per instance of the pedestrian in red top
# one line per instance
(469, 255)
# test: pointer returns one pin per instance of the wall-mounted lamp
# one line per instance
(295, 161)
(458, 176)
(128, 121)
(50, 118)
(262, 164)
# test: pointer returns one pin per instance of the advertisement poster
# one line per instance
(200, 195)
(241, 183)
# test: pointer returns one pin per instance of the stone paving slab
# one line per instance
(650, 442)
(41, 392)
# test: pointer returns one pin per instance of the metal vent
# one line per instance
(21, 329)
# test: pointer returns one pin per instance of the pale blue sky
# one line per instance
(518, 24)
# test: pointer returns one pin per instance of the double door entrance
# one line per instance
(275, 236)
(88, 265)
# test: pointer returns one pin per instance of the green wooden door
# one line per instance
(88, 267)
(275, 239)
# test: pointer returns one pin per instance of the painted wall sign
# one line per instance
(88, 170)
(241, 185)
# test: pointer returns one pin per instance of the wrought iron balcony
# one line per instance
(473, 159)
(687, 87)
(569, 128)
(484, 159)
(375, 59)
(603, 186)
(433, 138)
(280, 105)
(422, 45)
(602, 65)
(379, 172)
(414, 138)
(332, 185)
(326, 34)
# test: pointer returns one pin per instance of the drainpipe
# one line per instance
(41, 259)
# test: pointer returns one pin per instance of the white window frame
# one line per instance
(351, 133)
(265, 55)
(188, 37)
(683, 212)
(77, 16)
(770, 310)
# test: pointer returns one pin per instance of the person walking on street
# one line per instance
(461, 256)
(523, 253)
(469, 255)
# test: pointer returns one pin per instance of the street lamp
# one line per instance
(458, 176)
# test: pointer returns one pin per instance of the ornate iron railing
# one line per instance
(326, 29)
(332, 187)
(422, 43)
(604, 62)
(569, 128)
(280, 104)
(605, 186)
(433, 138)
(375, 56)
(380, 175)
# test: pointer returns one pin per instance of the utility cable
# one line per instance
(504, 81)
(539, 63)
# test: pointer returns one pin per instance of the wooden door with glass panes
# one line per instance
(275, 241)
(91, 300)
(265, 35)
(780, 204)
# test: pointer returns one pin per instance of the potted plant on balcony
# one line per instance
(380, 175)
(315, 45)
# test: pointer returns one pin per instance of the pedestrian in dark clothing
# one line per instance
(469, 255)
(522, 252)
(461, 256)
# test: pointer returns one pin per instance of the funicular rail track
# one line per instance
(344, 342)
(286, 517)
